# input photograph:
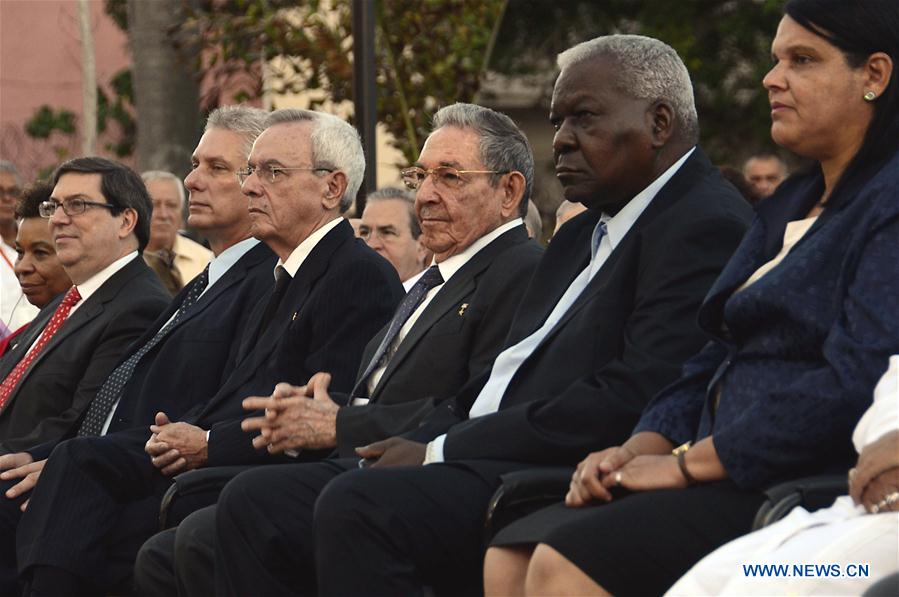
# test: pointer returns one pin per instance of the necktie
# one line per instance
(111, 390)
(282, 280)
(410, 302)
(59, 316)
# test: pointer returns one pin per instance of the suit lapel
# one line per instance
(457, 288)
(679, 185)
(28, 337)
(291, 306)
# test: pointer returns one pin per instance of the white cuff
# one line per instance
(434, 452)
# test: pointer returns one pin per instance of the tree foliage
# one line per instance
(429, 53)
(724, 43)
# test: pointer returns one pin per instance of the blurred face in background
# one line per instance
(387, 229)
(167, 214)
(764, 174)
(9, 194)
(38, 269)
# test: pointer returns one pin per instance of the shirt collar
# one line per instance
(617, 226)
(222, 263)
(299, 255)
(451, 265)
(92, 284)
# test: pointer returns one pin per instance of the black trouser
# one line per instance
(395, 531)
(96, 502)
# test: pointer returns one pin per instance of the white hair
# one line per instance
(648, 69)
(335, 145)
(163, 175)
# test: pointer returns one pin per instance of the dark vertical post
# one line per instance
(364, 92)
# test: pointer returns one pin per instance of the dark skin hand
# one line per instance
(394, 451)
(876, 459)
(878, 488)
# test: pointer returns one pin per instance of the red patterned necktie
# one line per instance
(59, 316)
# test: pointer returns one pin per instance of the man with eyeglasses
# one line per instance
(450, 325)
(98, 498)
(390, 227)
(15, 310)
(181, 358)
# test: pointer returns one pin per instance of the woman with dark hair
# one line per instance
(803, 321)
(38, 270)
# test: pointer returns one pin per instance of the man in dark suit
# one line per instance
(98, 497)
(457, 330)
(606, 322)
(184, 355)
(99, 214)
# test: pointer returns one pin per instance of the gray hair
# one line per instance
(335, 145)
(6, 166)
(503, 147)
(163, 175)
(649, 69)
(243, 120)
(398, 194)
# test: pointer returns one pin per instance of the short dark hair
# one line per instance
(398, 194)
(28, 205)
(860, 29)
(121, 186)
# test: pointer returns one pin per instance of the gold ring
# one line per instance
(618, 479)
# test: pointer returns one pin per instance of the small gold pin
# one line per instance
(462, 309)
(294, 318)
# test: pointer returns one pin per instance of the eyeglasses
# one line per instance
(442, 175)
(272, 173)
(72, 207)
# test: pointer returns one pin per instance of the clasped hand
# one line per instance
(618, 466)
(176, 447)
(303, 417)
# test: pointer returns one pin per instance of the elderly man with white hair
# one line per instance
(98, 498)
(175, 258)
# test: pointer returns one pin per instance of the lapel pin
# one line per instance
(294, 318)
(462, 309)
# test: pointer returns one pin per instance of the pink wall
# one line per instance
(40, 63)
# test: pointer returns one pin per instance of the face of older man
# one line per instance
(386, 228)
(166, 213)
(764, 174)
(286, 210)
(453, 217)
(88, 242)
(603, 145)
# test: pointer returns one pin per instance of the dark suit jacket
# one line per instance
(623, 339)
(342, 295)
(458, 335)
(804, 345)
(49, 402)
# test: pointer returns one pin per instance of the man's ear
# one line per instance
(512, 186)
(337, 183)
(129, 222)
(661, 121)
